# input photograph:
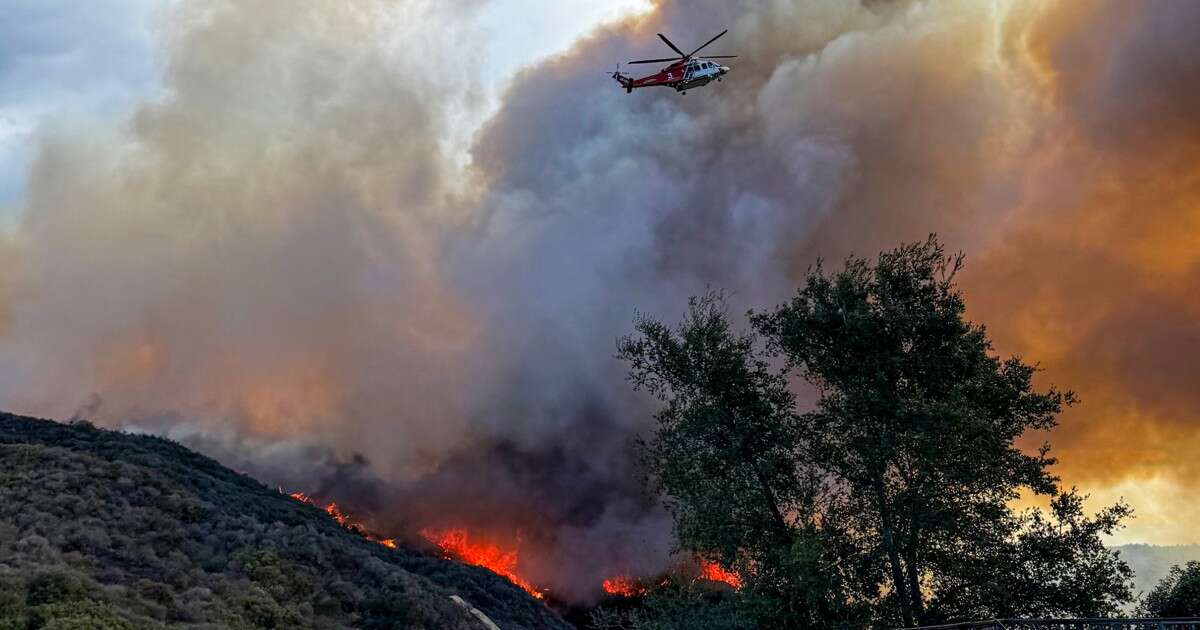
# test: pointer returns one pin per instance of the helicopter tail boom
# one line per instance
(626, 82)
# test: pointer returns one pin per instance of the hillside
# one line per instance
(1151, 563)
(101, 529)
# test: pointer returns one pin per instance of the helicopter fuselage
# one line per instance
(681, 76)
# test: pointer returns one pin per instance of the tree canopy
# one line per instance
(896, 484)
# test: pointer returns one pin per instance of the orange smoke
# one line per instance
(459, 545)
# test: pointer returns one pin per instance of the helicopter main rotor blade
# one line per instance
(653, 60)
(720, 56)
(705, 43)
(673, 46)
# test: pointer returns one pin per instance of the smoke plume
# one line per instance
(282, 259)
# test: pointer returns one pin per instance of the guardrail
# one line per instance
(1190, 623)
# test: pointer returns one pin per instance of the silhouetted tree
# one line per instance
(726, 451)
(899, 482)
(1177, 595)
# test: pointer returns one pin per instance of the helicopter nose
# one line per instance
(724, 69)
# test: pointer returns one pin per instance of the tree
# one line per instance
(1051, 564)
(725, 451)
(903, 474)
(917, 418)
(1177, 595)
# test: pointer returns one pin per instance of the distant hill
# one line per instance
(1151, 563)
(105, 530)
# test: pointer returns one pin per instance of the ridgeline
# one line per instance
(105, 530)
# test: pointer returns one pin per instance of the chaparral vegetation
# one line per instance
(103, 530)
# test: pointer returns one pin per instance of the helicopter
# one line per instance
(685, 72)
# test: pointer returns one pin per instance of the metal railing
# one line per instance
(1190, 623)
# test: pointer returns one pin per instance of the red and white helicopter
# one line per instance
(685, 72)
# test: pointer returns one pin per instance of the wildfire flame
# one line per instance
(714, 572)
(454, 543)
(624, 586)
(338, 515)
(344, 519)
(457, 544)
(707, 570)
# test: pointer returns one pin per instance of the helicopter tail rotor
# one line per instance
(626, 82)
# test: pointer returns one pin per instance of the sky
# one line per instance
(65, 61)
(380, 250)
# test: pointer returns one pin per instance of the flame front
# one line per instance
(333, 510)
(714, 572)
(459, 545)
(344, 519)
(455, 543)
(624, 586)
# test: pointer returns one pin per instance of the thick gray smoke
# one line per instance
(282, 261)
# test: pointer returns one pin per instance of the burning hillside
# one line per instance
(457, 544)
(344, 519)
(461, 545)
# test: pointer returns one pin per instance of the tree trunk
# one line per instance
(893, 554)
(772, 502)
(914, 574)
(780, 523)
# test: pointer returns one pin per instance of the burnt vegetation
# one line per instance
(100, 529)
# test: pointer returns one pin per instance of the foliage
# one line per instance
(100, 529)
(897, 486)
(1177, 595)
(679, 605)
(724, 452)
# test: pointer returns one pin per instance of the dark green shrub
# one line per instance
(1177, 595)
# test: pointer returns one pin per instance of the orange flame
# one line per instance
(624, 586)
(454, 543)
(333, 510)
(343, 519)
(457, 544)
(714, 572)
